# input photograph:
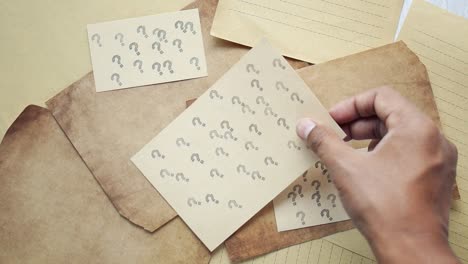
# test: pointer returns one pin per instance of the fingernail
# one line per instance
(304, 127)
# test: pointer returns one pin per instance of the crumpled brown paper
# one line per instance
(332, 82)
(108, 128)
(53, 211)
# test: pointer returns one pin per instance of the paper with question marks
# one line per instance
(147, 50)
(235, 148)
(310, 30)
(309, 201)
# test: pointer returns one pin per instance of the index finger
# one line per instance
(385, 103)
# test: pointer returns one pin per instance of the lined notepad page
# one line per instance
(441, 41)
(310, 30)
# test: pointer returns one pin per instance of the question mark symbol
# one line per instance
(196, 120)
(282, 122)
(233, 203)
(316, 184)
(140, 65)
(270, 161)
(256, 84)
(242, 167)
(155, 153)
(162, 35)
(292, 144)
(215, 172)
(178, 43)
(258, 175)
(277, 63)
(269, 111)
(181, 176)
(295, 97)
(220, 151)
(332, 197)
(316, 196)
(96, 37)
(235, 100)
(254, 128)
(168, 64)
(280, 85)
(181, 142)
(195, 61)
(327, 213)
(189, 25)
(251, 68)
(119, 37)
(302, 214)
(158, 45)
(214, 93)
(298, 188)
(191, 201)
(261, 100)
(212, 198)
(157, 65)
(116, 77)
(163, 173)
(225, 125)
(142, 29)
(134, 46)
(179, 25)
(117, 58)
(293, 196)
(249, 145)
(196, 157)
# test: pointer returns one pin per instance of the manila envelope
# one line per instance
(332, 82)
(108, 128)
(53, 211)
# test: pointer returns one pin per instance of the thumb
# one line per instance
(328, 146)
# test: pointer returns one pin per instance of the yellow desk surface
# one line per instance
(44, 46)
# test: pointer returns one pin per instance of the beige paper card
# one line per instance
(440, 39)
(236, 147)
(310, 30)
(147, 50)
(309, 201)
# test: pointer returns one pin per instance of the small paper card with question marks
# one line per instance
(309, 201)
(147, 50)
(234, 149)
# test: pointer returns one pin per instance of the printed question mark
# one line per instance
(96, 37)
(214, 93)
(298, 188)
(168, 64)
(140, 65)
(235, 100)
(304, 176)
(332, 197)
(229, 133)
(293, 197)
(214, 133)
(196, 157)
(220, 151)
(327, 213)
(157, 65)
(215, 172)
(282, 122)
(292, 144)
(162, 35)
(208, 196)
(249, 145)
(316, 184)
(233, 203)
(181, 142)
(251, 68)
(295, 97)
(179, 25)
(302, 214)
(196, 62)
(280, 85)
(134, 46)
(277, 63)
(256, 174)
(163, 173)
(256, 84)
(242, 167)
(116, 77)
(158, 45)
(324, 170)
(181, 176)
(142, 29)
(269, 111)
(261, 100)
(157, 153)
(191, 201)
(225, 125)
(270, 161)
(254, 128)
(178, 43)
(316, 196)
(246, 108)
(120, 37)
(196, 120)
(189, 25)
(117, 58)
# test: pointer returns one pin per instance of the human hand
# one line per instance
(397, 194)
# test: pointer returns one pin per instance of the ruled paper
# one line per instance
(311, 30)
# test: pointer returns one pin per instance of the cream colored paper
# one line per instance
(309, 201)
(311, 30)
(236, 147)
(147, 50)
